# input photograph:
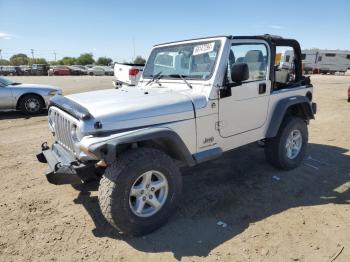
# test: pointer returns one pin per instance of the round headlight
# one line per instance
(74, 133)
(51, 120)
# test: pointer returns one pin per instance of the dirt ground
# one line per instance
(300, 215)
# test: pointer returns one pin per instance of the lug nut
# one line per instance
(144, 198)
(142, 191)
(150, 196)
(152, 189)
(147, 186)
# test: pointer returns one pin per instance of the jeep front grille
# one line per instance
(62, 127)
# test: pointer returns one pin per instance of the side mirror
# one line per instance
(239, 72)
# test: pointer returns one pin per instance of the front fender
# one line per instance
(107, 147)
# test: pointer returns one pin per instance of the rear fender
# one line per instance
(289, 105)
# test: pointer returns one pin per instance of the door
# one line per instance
(6, 97)
(246, 108)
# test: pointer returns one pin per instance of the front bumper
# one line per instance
(63, 168)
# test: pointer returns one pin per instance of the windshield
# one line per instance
(6, 82)
(191, 61)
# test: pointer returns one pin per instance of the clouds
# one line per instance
(279, 27)
(270, 26)
(5, 36)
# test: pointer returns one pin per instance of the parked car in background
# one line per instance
(82, 68)
(127, 74)
(59, 70)
(39, 69)
(75, 70)
(108, 70)
(23, 70)
(29, 98)
(96, 71)
(7, 70)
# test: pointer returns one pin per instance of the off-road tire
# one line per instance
(117, 181)
(25, 99)
(275, 148)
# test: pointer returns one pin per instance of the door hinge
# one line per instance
(219, 125)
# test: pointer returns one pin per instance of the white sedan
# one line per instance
(29, 98)
(96, 71)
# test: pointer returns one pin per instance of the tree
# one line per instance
(4, 62)
(85, 59)
(54, 62)
(67, 60)
(19, 59)
(105, 61)
(37, 61)
(139, 60)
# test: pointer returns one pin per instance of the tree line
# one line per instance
(83, 59)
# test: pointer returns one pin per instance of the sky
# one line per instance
(122, 29)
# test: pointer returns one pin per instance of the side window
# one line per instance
(319, 58)
(254, 55)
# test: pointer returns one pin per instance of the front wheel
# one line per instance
(139, 191)
(31, 104)
(287, 150)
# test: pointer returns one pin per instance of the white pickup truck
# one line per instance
(196, 99)
(127, 74)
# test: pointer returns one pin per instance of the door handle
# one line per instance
(262, 88)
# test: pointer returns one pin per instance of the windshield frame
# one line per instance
(217, 41)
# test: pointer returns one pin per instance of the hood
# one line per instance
(36, 86)
(133, 106)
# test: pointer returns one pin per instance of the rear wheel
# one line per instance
(287, 150)
(31, 104)
(139, 191)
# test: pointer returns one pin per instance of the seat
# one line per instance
(282, 76)
(200, 63)
(255, 61)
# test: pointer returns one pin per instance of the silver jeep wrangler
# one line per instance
(196, 99)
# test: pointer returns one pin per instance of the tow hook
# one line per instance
(44, 146)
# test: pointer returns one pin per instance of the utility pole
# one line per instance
(133, 44)
(32, 51)
(54, 53)
(0, 54)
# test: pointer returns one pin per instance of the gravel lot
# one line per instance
(303, 216)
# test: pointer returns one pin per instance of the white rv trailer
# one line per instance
(324, 61)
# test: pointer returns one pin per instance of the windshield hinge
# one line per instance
(219, 125)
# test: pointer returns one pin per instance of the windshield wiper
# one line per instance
(183, 79)
(15, 84)
(155, 77)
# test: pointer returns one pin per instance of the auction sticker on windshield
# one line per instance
(202, 49)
